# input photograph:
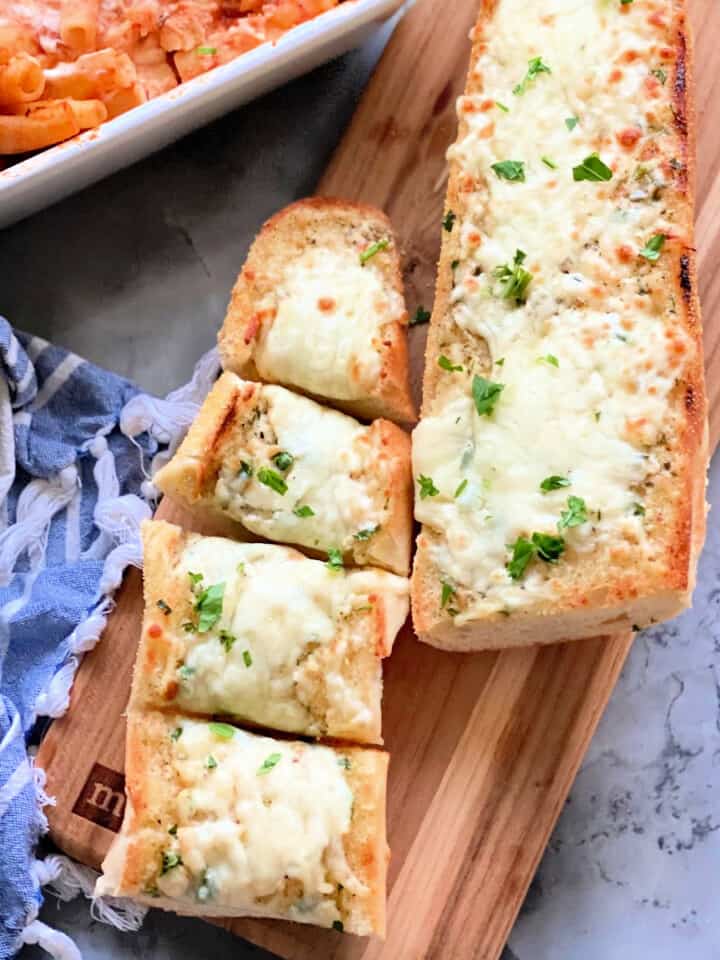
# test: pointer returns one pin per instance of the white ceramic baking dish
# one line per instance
(58, 171)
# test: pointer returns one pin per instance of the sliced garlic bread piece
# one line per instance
(264, 635)
(319, 307)
(290, 470)
(224, 823)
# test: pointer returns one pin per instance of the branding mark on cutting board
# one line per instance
(102, 799)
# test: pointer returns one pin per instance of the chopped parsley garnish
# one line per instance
(454, 264)
(227, 640)
(245, 471)
(549, 163)
(575, 514)
(554, 482)
(448, 590)
(651, 250)
(176, 733)
(241, 569)
(522, 553)
(366, 533)
(500, 362)
(460, 488)
(268, 763)
(206, 51)
(247, 658)
(304, 511)
(638, 510)
(449, 220)
(211, 762)
(185, 672)
(173, 830)
(222, 730)
(551, 359)
(535, 68)
(170, 860)
(338, 925)
(209, 605)
(659, 74)
(448, 364)
(283, 460)
(374, 248)
(421, 316)
(592, 168)
(546, 546)
(167, 610)
(273, 480)
(195, 578)
(624, 3)
(571, 122)
(335, 559)
(513, 170)
(501, 106)
(344, 762)
(427, 487)
(549, 547)
(514, 280)
(189, 627)
(485, 394)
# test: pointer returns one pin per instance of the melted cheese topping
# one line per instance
(300, 631)
(332, 473)
(250, 840)
(588, 361)
(326, 336)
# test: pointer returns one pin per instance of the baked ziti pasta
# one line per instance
(68, 65)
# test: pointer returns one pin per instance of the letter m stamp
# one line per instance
(102, 799)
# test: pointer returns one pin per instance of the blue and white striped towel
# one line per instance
(74, 440)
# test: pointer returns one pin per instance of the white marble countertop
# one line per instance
(134, 273)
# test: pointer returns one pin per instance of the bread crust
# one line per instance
(220, 430)
(130, 868)
(626, 598)
(290, 231)
(355, 653)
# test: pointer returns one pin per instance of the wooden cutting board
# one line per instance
(485, 747)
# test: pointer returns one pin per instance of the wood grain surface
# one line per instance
(484, 747)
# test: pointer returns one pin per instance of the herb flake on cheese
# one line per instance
(512, 170)
(374, 249)
(575, 515)
(535, 68)
(592, 168)
(651, 250)
(485, 394)
(273, 480)
(268, 763)
(427, 487)
(209, 606)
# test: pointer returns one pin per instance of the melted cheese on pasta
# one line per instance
(588, 361)
(255, 818)
(295, 660)
(332, 474)
(327, 331)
